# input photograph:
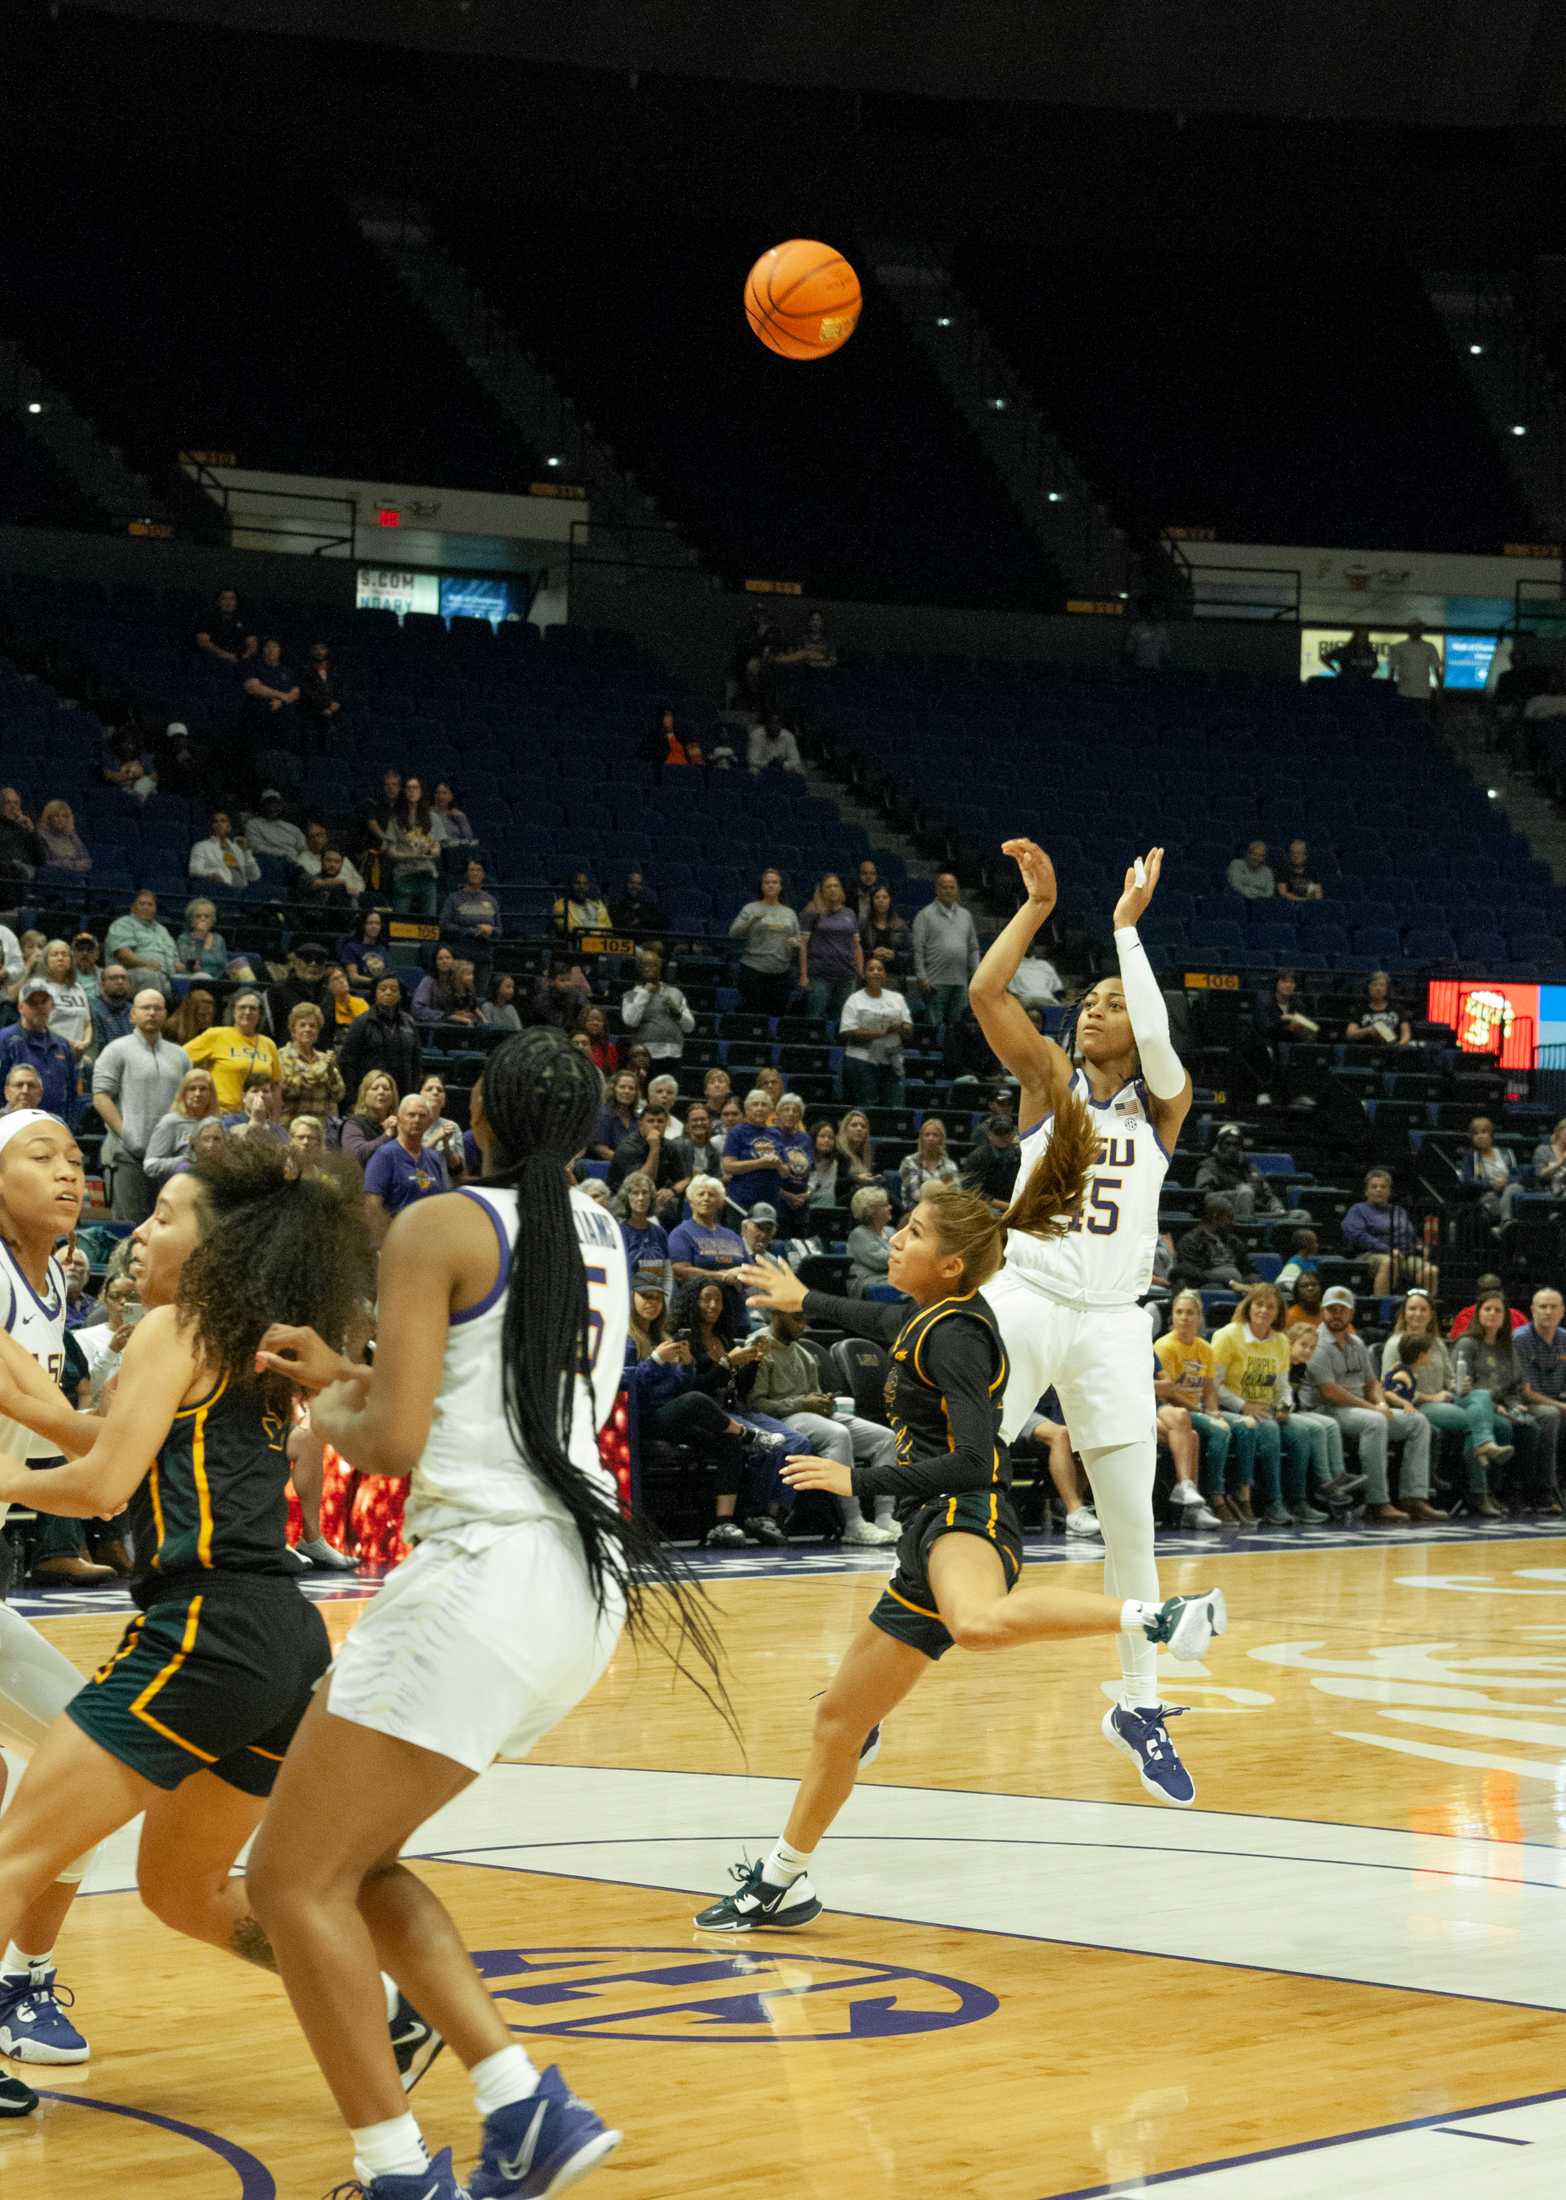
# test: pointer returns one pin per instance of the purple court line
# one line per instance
(1491, 2138)
(1304, 2146)
(255, 2181)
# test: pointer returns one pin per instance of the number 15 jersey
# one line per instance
(1106, 1258)
(472, 1473)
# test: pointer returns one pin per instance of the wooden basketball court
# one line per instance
(1340, 1973)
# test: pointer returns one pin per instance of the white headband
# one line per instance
(25, 1119)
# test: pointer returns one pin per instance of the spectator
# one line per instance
(373, 1118)
(124, 766)
(874, 1026)
(269, 833)
(403, 1171)
(1386, 1240)
(794, 1158)
(667, 747)
(80, 1305)
(1488, 1167)
(756, 645)
(70, 1018)
(771, 933)
(1541, 1355)
(882, 932)
(449, 819)
(1463, 1321)
(29, 962)
(30, 1041)
(1432, 1389)
(1278, 1016)
(769, 1079)
(594, 1027)
(751, 1156)
(378, 817)
(651, 1151)
(437, 988)
(704, 1245)
(945, 952)
(1415, 666)
(134, 1082)
(1251, 876)
(268, 682)
(771, 747)
(307, 1141)
(658, 1011)
(23, 1087)
(142, 945)
(673, 1407)
(1380, 1019)
(224, 635)
(111, 1011)
(11, 960)
(713, 1319)
(168, 1149)
(363, 954)
(1188, 1378)
(1331, 1478)
(1549, 1160)
(703, 1153)
(64, 847)
(663, 1092)
(1210, 1256)
(1297, 881)
(442, 1135)
(237, 1050)
(387, 1038)
(325, 874)
(1146, 647)
(306, 981)
(1038, 984)
(180, 767)
(1298, 1275)
(870, 1240)
(635, 909)
(312, 1084)
(646, 1240)
(1340, 1380)
(715, 1089)
(1487, 1357)
(928, 1162)
(471, 910)
(500, 1011)
(223, 859)
(319, 699)
(22, 852)
(788, 1387)
(729, 1114)
(560, 997)
(1354, 661)
(991, 1163)
(1229, 1171)
(616, 1118)
(84, 953)
(410, 847)
(257, 1116)
(201, 950)
(826, 1167)
(581, 908)
(831, 961)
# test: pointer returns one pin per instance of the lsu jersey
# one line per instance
(1106, 1258)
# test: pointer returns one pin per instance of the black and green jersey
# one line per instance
(215, 1499)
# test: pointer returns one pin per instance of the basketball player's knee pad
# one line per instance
(36, 1681)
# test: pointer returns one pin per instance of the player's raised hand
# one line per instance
(772, 1284)
(1038, 873)
(1141, 880)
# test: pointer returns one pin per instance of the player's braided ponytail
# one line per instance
(541, 1097)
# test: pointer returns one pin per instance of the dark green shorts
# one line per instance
(906, 1609)
(213, 1678)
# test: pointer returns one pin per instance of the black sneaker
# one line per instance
(755, 1907)
(725, 1535)
(761, 1528)
(414, 2043)
(17, 2099)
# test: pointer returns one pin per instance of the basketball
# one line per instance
(802, 299)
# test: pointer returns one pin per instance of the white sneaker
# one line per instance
(1185, 1493)
(1188, 1624)
(864, 1532)
(1083, 1522)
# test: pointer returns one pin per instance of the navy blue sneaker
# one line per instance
(540, 2145)
(16, 2099)
(436, 2181)
(33, 2024)
(1144, 1738)
(757, 1908)
(414, 2043)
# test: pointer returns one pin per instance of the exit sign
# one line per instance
(388, 516)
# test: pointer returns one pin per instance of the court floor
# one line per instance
(1338, 1974)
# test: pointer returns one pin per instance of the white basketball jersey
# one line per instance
(38, 1325)
(1106, 1258)
(472, 1472)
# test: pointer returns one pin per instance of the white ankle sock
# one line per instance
(393, 1993)
(392, 2149)
(18, 1965)
(1137, 1618)
(502, 2078)
(785, 1865)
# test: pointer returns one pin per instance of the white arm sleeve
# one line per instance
(1162, 1070)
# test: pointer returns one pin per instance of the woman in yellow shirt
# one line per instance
(1187, 1377)
(1252, 1358)
(236, 1051)
(346, 1004)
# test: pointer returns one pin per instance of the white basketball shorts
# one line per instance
(475, 1655)
(1099, 1363)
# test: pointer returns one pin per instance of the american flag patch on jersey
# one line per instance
(1127, 1106)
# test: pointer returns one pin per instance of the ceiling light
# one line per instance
(943, 320)
(1518, 428)
(1476, 351)
(35, 407)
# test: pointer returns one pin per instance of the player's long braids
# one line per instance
(541, 1097)
(1051, 1198)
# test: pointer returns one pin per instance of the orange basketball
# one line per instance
(802, 299)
